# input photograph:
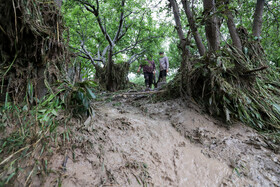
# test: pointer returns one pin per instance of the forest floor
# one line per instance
(132, 141)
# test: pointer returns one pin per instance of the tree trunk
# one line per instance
(257, 24)
(110, 85)
(232, 30)
(40, 88)
(211, 26)
(198, 41)
(178, 21)
(119, 76)
(185, 64)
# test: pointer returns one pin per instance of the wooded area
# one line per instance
(57, 56)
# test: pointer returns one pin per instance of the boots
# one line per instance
(164, 79)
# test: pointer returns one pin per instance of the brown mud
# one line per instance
(138, 143)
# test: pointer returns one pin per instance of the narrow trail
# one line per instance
(137, 143)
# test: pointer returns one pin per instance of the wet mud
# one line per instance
(162, 144)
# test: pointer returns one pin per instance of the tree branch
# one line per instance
(117, 36)
(135, 44)
(105, 51)
(255, 70)
(95, 10)
(135, 56)
(191, 20)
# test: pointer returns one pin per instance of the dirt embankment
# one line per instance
(162, 144)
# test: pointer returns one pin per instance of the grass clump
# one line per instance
(31, 133)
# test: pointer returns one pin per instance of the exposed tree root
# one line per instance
(237, 86)
(31, 49)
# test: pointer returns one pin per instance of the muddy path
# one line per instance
(139, 143)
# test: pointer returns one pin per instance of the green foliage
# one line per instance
(78, 96)
(217, 84)
(270, 37)
(144, 63)
(139, 80)
(140, 33)
(171, 75)
(33, 128)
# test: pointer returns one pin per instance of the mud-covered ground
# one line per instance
(138, 143)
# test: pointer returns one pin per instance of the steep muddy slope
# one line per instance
(164, 144)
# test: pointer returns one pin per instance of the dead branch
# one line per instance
(255, 70)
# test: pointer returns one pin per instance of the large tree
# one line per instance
(257, 24)
(191, 20)
(232, 28)
(183, 46)
(223, 80)
(212, 29)
(110, 31)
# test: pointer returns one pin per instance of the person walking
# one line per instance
(149, 71)
(163, 67)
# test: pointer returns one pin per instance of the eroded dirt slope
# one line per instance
(137, 143)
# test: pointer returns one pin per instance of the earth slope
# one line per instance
(131, 142)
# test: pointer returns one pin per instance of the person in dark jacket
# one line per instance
(149, 71)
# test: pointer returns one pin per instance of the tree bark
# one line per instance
(211, 26)
(177, 20)
(232, 29)
(40, 88)
(257, 23)
(185, 64)
(198, 41)
(110, 85)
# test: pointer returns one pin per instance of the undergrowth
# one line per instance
(252, 98)
(30, 132)
(39, 101)
(236, 86)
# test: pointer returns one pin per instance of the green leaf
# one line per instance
(25, 108)
(91, 93)
(30, 92)
(9, 178)
(277, 107)
(42, 111)
(54, 112)
(198, 65)
(6, 100)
